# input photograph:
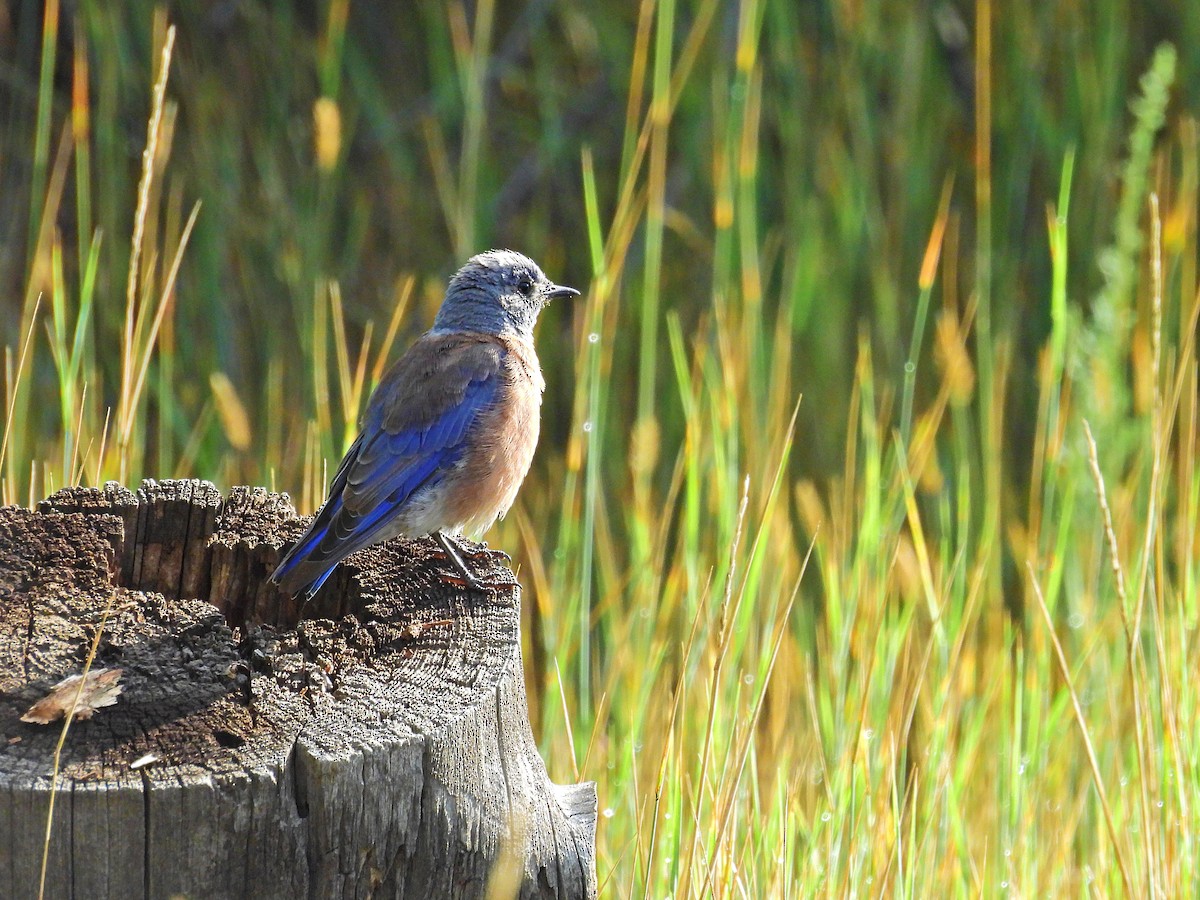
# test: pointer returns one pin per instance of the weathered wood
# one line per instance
(381, 750)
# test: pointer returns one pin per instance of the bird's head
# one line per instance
(498, 292)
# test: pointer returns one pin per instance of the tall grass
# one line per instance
(829, 586)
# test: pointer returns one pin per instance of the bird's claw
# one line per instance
(470, 582)
(462, 574)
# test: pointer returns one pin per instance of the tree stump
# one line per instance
(381, 749)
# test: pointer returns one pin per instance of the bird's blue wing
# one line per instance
(409, 440)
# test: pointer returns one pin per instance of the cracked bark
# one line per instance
(383, 750)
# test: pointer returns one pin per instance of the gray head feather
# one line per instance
(498, 292)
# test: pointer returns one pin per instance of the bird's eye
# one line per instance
(525, 285)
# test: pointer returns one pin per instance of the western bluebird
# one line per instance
(448, 434)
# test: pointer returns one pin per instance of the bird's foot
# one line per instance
(463, 575)
(468, 581)
(488, 551)
(483, 551)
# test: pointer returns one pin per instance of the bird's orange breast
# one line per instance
(501, 446)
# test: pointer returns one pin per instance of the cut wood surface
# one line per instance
(381, 749)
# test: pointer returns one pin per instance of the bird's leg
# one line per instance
(452, 553)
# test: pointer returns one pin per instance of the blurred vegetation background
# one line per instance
(866, 111)
(932, 219)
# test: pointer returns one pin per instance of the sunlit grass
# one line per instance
(828, 585)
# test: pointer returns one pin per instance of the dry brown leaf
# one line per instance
(101, 688)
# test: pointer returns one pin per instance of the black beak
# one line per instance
(555, 291)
